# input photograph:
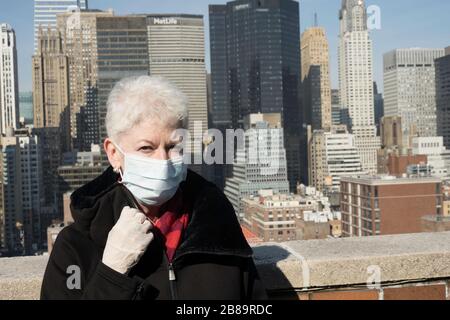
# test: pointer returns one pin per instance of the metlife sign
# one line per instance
(165, 21)
(241, 7)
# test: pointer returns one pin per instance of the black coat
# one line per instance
(213, 261)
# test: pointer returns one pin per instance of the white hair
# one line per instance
(136, 99)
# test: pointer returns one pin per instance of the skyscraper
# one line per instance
(332, 155)
(255, 67)
(261, 161)
(410, 88)
(20, 193)
(443, 96)
(9, 89)
(121, 51)
(51, 85)
(50, 146)
(45, 12)
(79, 33)
(356, 80)
(176, 45)
(51, 114)
(316, 78)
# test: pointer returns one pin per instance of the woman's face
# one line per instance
(150, 138)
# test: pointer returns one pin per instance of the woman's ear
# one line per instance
(114, 156)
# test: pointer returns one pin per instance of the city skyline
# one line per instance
(317, 120)
(397, 31)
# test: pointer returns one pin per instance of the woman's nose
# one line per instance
(161, 154)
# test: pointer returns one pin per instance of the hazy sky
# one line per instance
(404, 24)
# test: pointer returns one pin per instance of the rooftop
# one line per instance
(250, 236)
(389, 180)
(412, 266)
(174, 15)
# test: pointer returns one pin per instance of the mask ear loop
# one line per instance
(119, 170)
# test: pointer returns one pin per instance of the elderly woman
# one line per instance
(148, 228)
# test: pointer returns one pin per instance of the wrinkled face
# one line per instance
(150, 138)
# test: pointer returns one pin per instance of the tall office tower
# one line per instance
(9, 89)
(50, 146)
(378, 103)
(443, 96)
(316, 78)
(20, 193)
(102, 49)
(51, 85)
(410, 88)
(51, 114)
(255, 67)
(332, 154)
(79, 33)
(121, 52)
(45, 12)
(356, 80)
(260, 162)
(176, 46)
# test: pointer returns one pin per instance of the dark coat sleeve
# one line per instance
(96, 280)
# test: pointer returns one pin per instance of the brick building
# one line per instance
(383, 205)
(397, 165)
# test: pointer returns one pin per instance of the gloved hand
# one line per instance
(127, 240)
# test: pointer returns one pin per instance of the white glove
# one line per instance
(127, 240)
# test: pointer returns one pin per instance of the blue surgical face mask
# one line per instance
(152, 182)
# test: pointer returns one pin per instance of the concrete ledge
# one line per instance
(303, 266)
(21, 277)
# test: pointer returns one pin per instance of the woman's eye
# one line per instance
(146, 148)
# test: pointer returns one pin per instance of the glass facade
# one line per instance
(45, 12)
(26, 106)
(122, 50)
(443, 97)
(255, 66)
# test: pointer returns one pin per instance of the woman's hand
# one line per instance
(127, 240)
